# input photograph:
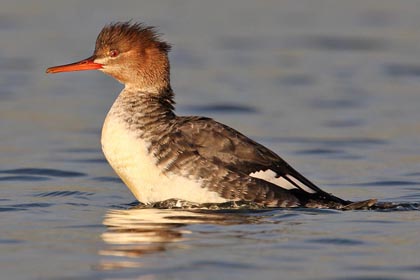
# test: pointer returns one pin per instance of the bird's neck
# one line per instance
(148, 74)
(146, 113)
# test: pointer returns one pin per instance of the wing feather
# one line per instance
(225, 146)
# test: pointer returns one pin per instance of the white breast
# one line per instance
(129, 157)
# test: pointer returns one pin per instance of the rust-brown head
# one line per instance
(131, 53)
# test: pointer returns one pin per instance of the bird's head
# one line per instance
(131, 53)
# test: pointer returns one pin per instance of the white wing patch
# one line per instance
(300, 184)
(271, 176)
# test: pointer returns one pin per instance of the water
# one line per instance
(330, 85)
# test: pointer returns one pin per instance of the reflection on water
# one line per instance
(132, 233)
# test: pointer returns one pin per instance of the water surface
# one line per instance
(332, 86)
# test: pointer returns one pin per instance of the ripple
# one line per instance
(10, 209)
(89, 160)
(388, 183)
(10, 241)
(84, 226)
(77, 204)
(386, 268)
(341, 43)
(24, 178)
(79, 150)
(394, 207)
(344, 123)
(328, 152)
(127, 206)
(410, 196)
(380, 277)
(107, 179)
(376, 221)
(224, 264)
(412, 268)
(296, 80)
(221, 108)
(24, 206)
(43, 172)
(63, 193)
(336, 241)
(345, 142)
(318, 151)
(336, 104)
(32, 205)
(412, 188)
(402, 70)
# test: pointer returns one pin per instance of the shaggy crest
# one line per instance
(127, 34)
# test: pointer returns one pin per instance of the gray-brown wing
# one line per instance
(225, 146)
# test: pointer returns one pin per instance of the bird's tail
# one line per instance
(329, 201)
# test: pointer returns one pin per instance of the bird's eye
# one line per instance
(113, 53)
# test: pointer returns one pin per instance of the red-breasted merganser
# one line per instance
(161, 156)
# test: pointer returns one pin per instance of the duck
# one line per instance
(160, 155)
